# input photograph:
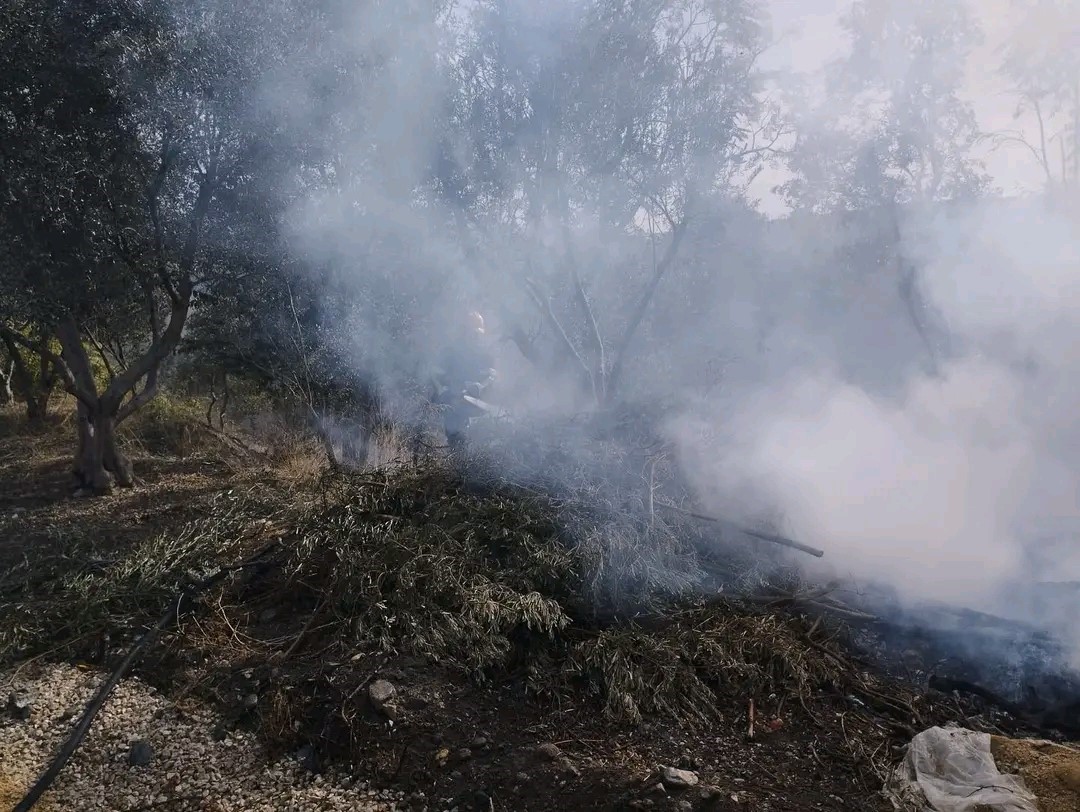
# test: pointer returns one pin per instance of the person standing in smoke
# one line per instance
(465, 368)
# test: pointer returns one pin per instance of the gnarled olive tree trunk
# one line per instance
(99, 462)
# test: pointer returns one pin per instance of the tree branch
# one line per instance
(168, 155)
(99, 347)
(72, 386)
(548, 312)
(163, 346)
(149, 390)
(598, 375)
(659, 270)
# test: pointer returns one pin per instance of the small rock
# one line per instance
(20, 705)
(308, 759)
(549, 751)
(567, 766)
(657, 789)
(684, 806)
(675, 778)
(479, 743)
(464, 754)
(250, 701)
(140, 753)
(708, 793)
(381, 693)
(442, 756)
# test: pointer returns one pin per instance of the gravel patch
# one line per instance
(186, 768)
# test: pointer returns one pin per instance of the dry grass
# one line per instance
(55, 602)
(167, 427)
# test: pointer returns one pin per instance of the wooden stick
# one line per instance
(750, 715)
(783, 542)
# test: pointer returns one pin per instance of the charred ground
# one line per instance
(549, 648)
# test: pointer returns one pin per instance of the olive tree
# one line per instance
(126, 124)
(588, 124)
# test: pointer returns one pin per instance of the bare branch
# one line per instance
(659, 270)
(1008, 137)
(545, 308)
(100, 348)
(165, 343)
(66, 376)
(149, 391)
(590, 314)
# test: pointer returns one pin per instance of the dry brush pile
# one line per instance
(576, 586)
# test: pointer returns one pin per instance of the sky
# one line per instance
(807, 36)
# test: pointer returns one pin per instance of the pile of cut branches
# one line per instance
(571, 582)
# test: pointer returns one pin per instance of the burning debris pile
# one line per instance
(580, 595)
(468, 570)
(524, 570)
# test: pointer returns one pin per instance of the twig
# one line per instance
(750, 716)
(842, 611)
(783, 542)
(36, 657)
(296, 642)
(95, 705)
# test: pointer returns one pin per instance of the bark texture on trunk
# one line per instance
(99, 462)
(36, 408)
(6, 393)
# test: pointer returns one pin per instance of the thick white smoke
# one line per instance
(939, 484)
(946, 489)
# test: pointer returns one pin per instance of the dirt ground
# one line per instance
(1050, 770)
(451, 744)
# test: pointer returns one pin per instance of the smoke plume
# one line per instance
(960, 486)
(792, 389)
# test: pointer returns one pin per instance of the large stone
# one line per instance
(674, 778)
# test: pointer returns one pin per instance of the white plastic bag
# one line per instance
(954, 770)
